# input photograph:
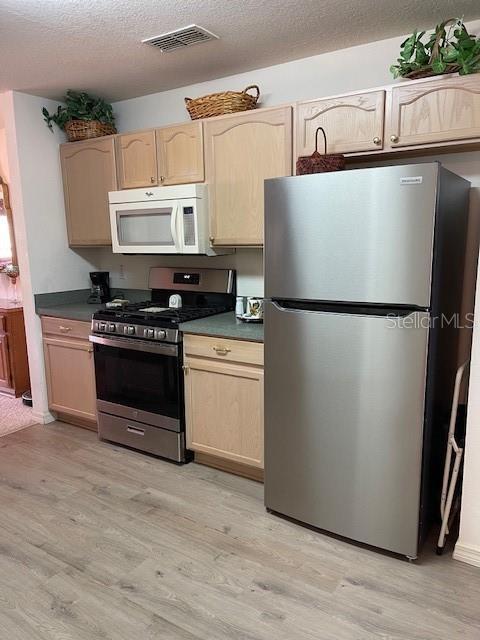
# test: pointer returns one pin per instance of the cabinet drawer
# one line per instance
(65, 328)
(224, 349)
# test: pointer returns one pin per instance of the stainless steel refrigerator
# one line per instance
(360, 265)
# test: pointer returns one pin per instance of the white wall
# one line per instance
(46, 263)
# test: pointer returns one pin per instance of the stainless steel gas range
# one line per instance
(138, 359)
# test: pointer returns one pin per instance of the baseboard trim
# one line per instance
(467, 553)
(43, 417)
(239, 469)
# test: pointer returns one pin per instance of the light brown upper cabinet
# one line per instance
(180, 154)
(136, 160)
(241, 151)
(89, 173)
(434, 111)
(352, 123)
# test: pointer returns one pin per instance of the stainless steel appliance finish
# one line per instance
(134, 331)
(345, 397)
(359, 236)
(138, 359)
(139, 435)
(207, 280)
(359, 267)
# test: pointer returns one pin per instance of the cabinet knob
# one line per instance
(212, 239)
(152, 180)
(162, 178)
(64, 329)
(185, 368)
(377, 140)
(221, 351)
(394, 138)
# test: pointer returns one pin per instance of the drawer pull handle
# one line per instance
(137, 432)
(222, 351)
(64, 329)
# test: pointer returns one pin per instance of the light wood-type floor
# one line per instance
(98, 542)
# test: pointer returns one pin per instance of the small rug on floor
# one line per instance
(14, 415)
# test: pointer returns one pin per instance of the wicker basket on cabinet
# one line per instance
(85, 129)
(219, 104)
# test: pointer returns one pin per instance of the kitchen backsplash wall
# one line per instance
(131, 272)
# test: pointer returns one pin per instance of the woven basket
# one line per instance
(316, 163)
(85, 129)
(218, 104)
(427, 71)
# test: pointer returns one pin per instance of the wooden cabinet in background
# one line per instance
(180, 154)
(352, 123)
(14, 376)
(89, 173)
(224, 402)
(136, 160)
(70, 371)
(446, 109)
(241, 151)
(5, 375)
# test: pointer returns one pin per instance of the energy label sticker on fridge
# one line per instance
(412, 180)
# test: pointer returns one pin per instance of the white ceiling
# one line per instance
(47, 46)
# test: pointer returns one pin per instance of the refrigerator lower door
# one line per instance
(344, 414)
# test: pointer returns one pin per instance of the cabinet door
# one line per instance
(70, 377)
(224, 410)
(430, 112)
(180, 154)
(352, 123)
(5, 374)
(137, 160)
(89, 173)
(241, 151)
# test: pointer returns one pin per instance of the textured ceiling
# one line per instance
(47, 46)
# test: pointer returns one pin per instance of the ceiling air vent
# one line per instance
(180, 38)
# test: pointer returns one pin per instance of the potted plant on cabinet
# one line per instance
(83, 116)
(449, 49)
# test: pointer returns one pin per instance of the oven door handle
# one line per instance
(137, 345)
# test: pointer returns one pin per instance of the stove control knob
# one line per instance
(160, 334)
(130, 330)
(111, 327)
(149, 333)
(102, 326)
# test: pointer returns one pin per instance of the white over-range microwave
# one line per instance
(164, 220)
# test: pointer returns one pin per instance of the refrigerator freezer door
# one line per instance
(364, 235)
(344, 412)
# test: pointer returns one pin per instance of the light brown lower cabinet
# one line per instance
(224, 402)
(70, 371)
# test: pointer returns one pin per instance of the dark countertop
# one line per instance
(72, 305)
(225, 325)
(70, 311)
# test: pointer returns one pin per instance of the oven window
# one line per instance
(141, 227)
(145, 381)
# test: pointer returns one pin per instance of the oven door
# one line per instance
(139, 381)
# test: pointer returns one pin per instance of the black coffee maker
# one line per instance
(100, 287)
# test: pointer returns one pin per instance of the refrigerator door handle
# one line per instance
(374, 311)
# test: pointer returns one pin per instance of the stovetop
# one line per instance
(154, 314)
(149, 321)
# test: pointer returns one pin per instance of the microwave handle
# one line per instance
(173, 224)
